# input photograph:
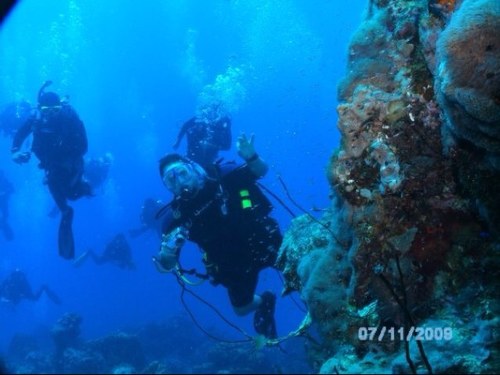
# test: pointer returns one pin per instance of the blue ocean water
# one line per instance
(135, 74)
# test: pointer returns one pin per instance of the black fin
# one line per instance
(52, 296)
(66, 240)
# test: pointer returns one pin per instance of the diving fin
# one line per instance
(66, 240)
(52, 296)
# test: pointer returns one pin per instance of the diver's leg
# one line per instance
(78, 187)
(52, 296)
(66, 241)
(57, 180)
(263, 320)
(241, 291)
(244, 300)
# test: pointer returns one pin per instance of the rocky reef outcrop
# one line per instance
(414, 204)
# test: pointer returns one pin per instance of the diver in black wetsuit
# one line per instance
(16, 287)
(59, 142)
(6, 189)
(228, 216)
(207, 133)
(117, 251)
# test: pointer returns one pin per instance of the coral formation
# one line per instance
(66, 331)
(414, 192)
(120, 350)
(468, 74)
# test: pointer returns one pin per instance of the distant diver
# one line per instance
(207, 133)
(59, 142)
(117, 252)
(16, 287)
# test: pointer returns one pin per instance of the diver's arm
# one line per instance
(171, 244)
(184, 129)
(247, 152)
(21, 134)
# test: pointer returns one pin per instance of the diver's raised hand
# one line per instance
(245, 147)
(247, 151)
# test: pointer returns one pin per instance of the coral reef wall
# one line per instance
(415, 205)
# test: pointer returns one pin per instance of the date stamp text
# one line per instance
(405, 334)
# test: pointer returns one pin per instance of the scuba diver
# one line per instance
(59, 142)
(96, 170)
(149, 210)
(6, 189)
(13, 116)
(207, 133)
(16, 287)
(227, 216)
(117, 251)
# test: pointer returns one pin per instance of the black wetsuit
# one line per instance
(229, 219)
(205, 140)
(117, 251)
(16, 288)
(59, 142)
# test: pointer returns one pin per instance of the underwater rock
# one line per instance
(466, 84)
(21, 345)
(119, 349)
(81, 361)
(300, 240)
(66, 331)
(35, 362)
(468, 76)
(419, 207)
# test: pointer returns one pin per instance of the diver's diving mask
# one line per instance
(50, 110)
(183, 178)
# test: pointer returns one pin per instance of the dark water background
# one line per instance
(135, 73)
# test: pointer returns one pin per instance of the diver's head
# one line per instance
(184, 178)
(48, 102)
(49, 99)
(210, 112)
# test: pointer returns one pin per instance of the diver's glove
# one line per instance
(171, 245)
(21, 157)
(246, 148)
